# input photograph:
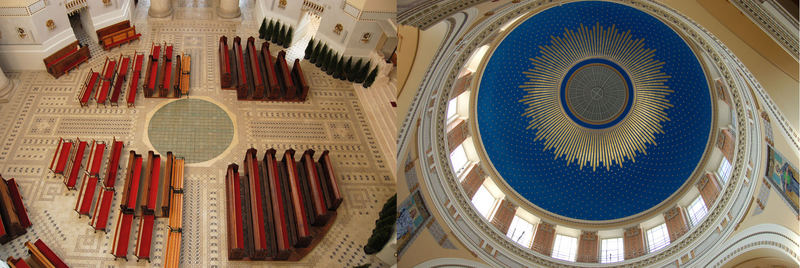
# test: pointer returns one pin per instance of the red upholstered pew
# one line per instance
(19, 207)
(113, 164)
(167, 72)
(236, 222)
(290, 174)
(89, 84)
(224, 63)
(122, 234)
(17, 263)
(86, 194)
(285, 77)
(145, 237)
(77, 162)
(329, 180)
(121, 77)
(270, 75)
(108, 77)
(59, 162)
(152, 70)
(49, 254)
(134, 84)
(13, 224)
(96, 158)
(299, 80)
(101, 210)
(261, 244)
(131, 189)
(280, 217)
(255, 70)
(308, 175)
(241, 75)
(151, 194)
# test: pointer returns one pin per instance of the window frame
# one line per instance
(459, 171)
(724, 170)
(559, 244)
(694, 218)
(619, 254)
(492, 207)
(655, 243)
(515, 224)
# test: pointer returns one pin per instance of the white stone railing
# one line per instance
(313, 7)
(74, 6)
(23, 10)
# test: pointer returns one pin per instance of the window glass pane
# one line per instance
(657, 237)
(565, 247)
(459, 160)
(697, 210)
(611, 250)
(483, 201)
(451, 109)
(724, 170)
(521, 231)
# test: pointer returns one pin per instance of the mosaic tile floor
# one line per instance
(196, 129)
(41, 109)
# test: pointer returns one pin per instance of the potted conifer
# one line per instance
(309, 49)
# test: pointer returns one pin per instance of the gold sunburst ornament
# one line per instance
(596, 96)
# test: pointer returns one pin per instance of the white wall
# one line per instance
(97, 15)
(18, 54)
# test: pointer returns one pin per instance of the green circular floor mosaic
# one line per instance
(197, 130)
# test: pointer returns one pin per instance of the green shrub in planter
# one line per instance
(269, 30)
(309, 49)
(332, 63)
(321, 57)
(336, 72)
(362, 74)
(289, 35)
(353, 73)
(383, 227)
(340, 69)
(263, 30)
(347, 67)
(315, 54)
(282, 35)
(275, 32)
(371, 78)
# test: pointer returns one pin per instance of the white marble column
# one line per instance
(5, 87)
(160, 8)
(228, 9)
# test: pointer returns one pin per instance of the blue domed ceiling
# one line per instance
(594, 110)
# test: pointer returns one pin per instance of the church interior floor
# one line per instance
(42, 109)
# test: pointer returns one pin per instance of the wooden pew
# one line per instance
(166, 79)
(131, 189)
(59, 162)
(107, 31)
(285, 77)
(120, 37)
(45, 252)
(145, 237)
(303, 231)
(270, 76)
(151, 187)
(152, 71)
(89, 84)
(4, 235)
(224, 63)
(176, 213)
(166, 184)
(11, 220)
(86, 195)
(257, 79)
(261, 245)
(122, 74)
(113, 164)
(19, 207)
(235, 219)
(66, 59)
(77, 162)
(177, 175)
(172, 254)
(325, 170)
(17, 263)
(122, 234)
(37, 256)
(134, 84)
(309, 175)
(186, 69)
(101, 210)
(109, 72)
(299, 80)
(241, 71)
(279, 219)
